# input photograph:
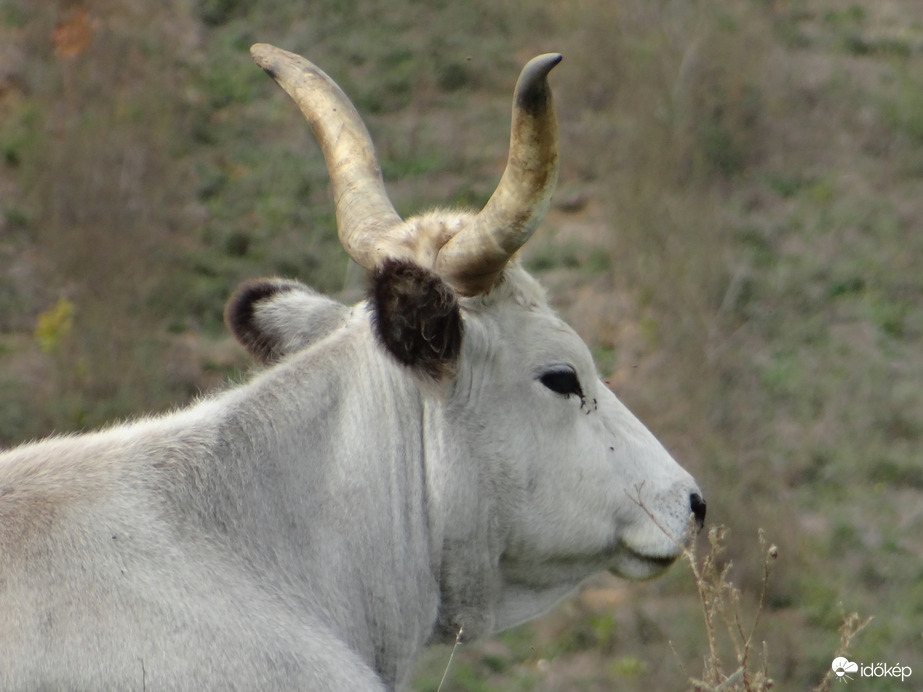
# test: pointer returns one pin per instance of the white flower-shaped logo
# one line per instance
(842, 666)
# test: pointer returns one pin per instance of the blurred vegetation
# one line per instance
(736, 234)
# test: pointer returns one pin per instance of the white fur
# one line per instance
(316, 527)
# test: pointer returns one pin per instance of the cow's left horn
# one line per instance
(473, 259)
(365, 216)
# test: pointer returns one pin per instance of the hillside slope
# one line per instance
(737, 233)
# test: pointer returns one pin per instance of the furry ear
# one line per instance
(416, 317)
(275, 317)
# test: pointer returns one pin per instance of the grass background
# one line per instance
(737, 234)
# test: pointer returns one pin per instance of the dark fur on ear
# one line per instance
(416, 317)
(240, 312)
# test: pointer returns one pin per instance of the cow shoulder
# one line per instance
(274, 317)
(416, 318)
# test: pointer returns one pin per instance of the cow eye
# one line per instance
(563, 381)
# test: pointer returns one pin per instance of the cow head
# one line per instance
(539, 458)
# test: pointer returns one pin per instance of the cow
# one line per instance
(433, 464)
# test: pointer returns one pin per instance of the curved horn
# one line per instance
(363, 211)
(473, 259)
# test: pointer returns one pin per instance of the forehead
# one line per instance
(540, 338)
(516, 318)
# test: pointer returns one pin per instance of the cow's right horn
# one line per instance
(365, 216)
(473, 259)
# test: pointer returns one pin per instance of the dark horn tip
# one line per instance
(552, 58)
(532, 91)
(539, 66)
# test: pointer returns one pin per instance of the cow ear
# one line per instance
(416, 317)
(274, 317)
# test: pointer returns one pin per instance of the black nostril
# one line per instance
(697, 505)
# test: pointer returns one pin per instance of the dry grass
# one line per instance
(851, 627)
(720, 602)
(747, 668)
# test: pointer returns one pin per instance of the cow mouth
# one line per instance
(657, 561)
(637, 565)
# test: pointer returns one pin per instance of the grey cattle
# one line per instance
(441, 457)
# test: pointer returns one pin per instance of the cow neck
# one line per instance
(365, 498)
